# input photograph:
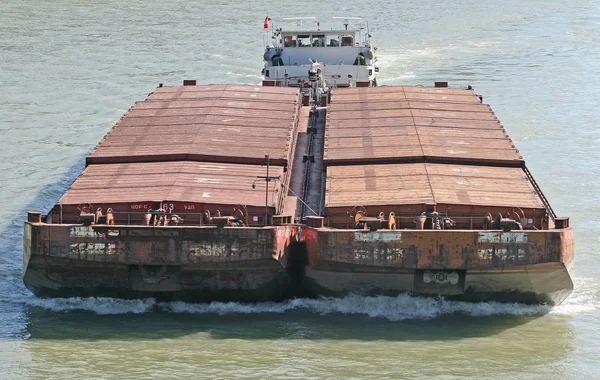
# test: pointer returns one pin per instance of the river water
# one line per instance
(70, 69)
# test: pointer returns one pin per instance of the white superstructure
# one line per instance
(320, 58)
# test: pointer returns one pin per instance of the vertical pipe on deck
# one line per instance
(267, 190)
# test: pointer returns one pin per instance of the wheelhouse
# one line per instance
(346, 58)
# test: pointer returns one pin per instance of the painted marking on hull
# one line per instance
(83, 232)
(502, 237)
(371, 237)
(384, 254)
(215, 250)
(503, 253)
(79, 249)
(440, 277)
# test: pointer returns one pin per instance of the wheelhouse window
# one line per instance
(318, 40)
(347, 41)
(303, 40)
(333, 41)
(289, 41)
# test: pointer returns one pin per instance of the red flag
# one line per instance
(266, 25)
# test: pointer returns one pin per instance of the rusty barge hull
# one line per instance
(168, 263)
(524, 266)
(239, 193)
(269, 264)
(152, 214)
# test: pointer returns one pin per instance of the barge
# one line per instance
(304, 186)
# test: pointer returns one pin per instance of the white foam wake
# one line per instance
(98, 305)
(584, 299)
(392, 308)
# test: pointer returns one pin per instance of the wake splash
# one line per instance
(585, 299)
(99, 305)
(397, 308)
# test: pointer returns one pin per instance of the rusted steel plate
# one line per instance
(167, 104)
(370, 114)
(498, 198)
(371, 132)
(247, 121)
(219, 89)
(404, 89)
(111, 155)
(241, 112)
(189, 95)
(408, 136)
(366, 144)
(228, 87)
(454, 114)
(477, 171)
(369, 199)
(178, 129)
(377, 104)
(262, 89)
(186, 144)
(165, 120)
(201, 129)
(438, 249)
(363, 122)
(466, 142)
(401, 147)
(135, 245)
(341, 98)
(448, 106)
(180, 113)
(397, 184)
(217, 128)
(463, 171)
(408, 121)
(479, 155)
(439, 90)
(178, 181)
(203, 87)
(137, 141)
(382, 170)
(372, 153)
(271, 132)
(454, 132)
(366, 90)
(174, 106)
(388, 105)
(175, 109)
(334, 123)
(223, 140)
(440, 185)
(457, 123)
(210, 121)
(453, 98)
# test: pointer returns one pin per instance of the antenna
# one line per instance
(346, 20)
(298, 19)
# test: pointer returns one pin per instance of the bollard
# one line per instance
(34, 217)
